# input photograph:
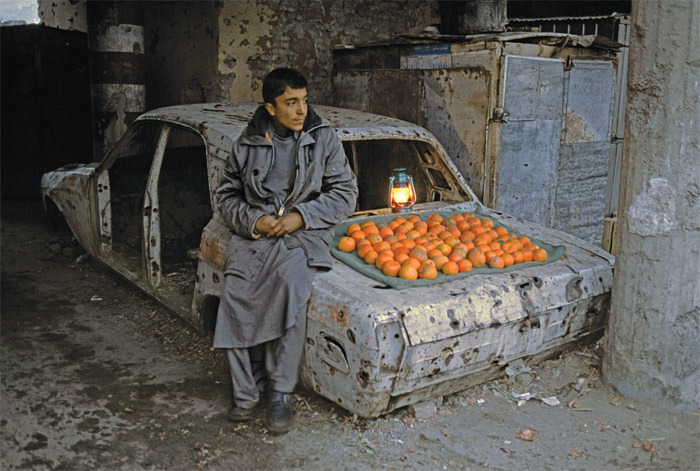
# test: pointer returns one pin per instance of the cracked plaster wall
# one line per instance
(654, 330)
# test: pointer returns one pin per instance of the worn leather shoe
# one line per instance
(239, 414)
(278, 418)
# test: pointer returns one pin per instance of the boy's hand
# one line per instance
(264, 224)
(286, 224)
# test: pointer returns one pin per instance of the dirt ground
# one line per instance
(97, 376)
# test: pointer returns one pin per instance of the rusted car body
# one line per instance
(147, 211)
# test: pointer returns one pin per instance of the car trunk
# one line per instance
(377, 349)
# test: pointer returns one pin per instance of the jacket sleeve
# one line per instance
(231, 202)
(338, 189)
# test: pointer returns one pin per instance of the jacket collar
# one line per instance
(261, 121)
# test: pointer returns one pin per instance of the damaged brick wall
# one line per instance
(221, 50)
(257, 36)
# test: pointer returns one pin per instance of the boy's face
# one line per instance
(289, 110)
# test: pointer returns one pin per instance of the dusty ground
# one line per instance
(97, 376)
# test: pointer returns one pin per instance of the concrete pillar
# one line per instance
(117, 69)
(653, 337)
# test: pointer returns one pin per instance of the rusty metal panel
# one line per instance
(456, 108)
(589, 102)
(530, 135)
(350, 89)
(581, 182)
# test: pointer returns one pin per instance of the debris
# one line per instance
(648, 447)
(516, 367)
(422, 410)
(96, 298)
(616, 401)
(506, 450)
(527, 434)
(480, 401)
(550, 401)
(497, 389)
(82, 258)
(128, 409)
(523, 398)
(55, 248)
(620, 448)
(575, 453)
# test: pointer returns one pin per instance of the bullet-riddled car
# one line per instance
(147, 211)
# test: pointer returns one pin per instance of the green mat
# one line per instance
(554, 252)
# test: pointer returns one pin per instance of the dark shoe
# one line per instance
(239, 414)
(278, 418)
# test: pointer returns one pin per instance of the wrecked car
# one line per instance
(147, 211)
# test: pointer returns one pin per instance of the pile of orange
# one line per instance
(412, 248)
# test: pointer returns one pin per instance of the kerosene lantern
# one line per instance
(402, 194)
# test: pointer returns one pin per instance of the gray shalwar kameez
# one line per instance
(262, 313)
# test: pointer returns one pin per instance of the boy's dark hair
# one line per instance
(277, 81)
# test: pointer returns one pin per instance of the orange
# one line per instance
(444, 235)
(370, 257)
(396, 245)
(371, 229)
(379, 246)
(419, 253)
(358, 235)
(500, 230)
(519, 256)
(531, 247)
(467, 235)
(401, 257)
(434, 253)
(464, 265)
(427, 272)
(414, 218)
(363, 250)
(482, 239)
(450, 268)
(473, 222)
(393, 225)
(408, 272)
(527, 256)
(391, 238)
(366, 223)
(508, 259)
(509, 247)
(495, 246)
(408, 243)
(539, 255)
(478, 230)
(382, 258)
(467, 216)
(440, 260)
(524, 240)
(435, 216)
(452, 229)
(385, 231)
(346, 244)
(413, 234)
(391, 268)
(458, 217)
(399, 219)
(400, 249)
(497, 263)
(415, 263)
(476, 256)
(352, 228)
(400, 236)
(463, 226)
(444, 248)
(374, 238)
(486, 222)
(421, 228)
(493, 234)
(362, 242)
(456, 257)
(488, 256)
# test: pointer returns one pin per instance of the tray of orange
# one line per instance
(404, 251)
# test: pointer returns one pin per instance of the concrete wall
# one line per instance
(653, 343)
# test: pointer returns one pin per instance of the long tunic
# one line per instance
(266, 304)
(268, 280)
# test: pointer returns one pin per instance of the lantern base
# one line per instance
(400, 210)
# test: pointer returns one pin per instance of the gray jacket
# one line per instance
(324, 192)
